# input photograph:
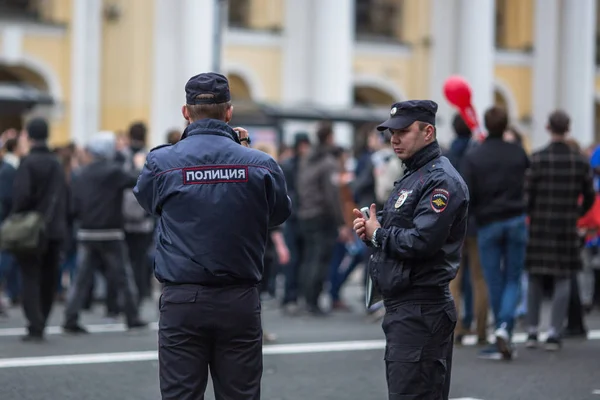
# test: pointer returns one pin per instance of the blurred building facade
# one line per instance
(106, 63)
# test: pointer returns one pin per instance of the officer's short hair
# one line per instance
(496, 121)
(214, 111)
(423, 125)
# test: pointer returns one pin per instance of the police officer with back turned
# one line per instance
(215, 200)
(417, 242)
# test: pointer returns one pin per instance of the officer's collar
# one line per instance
(210, 127)
(423, 156)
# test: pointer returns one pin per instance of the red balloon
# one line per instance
(458, 92)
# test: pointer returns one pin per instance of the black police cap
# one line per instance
(207, 88)
(404, 113)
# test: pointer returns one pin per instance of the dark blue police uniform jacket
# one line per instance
(215, 200)
(423, 228)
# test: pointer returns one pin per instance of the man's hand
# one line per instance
(283, 254)
(364, 228)
(242, 134)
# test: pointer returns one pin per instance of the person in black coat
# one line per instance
(40, 185)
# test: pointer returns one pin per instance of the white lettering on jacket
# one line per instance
(215, 174)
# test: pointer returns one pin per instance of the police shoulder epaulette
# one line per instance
(160, 147)
(435, 165)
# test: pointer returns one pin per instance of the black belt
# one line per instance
(423, 294)
(213, 284)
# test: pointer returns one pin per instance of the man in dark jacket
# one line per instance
(97, 193)
(215, 200)
(417, 242)
(291, 229)
(469, 280)
(495, 173)
(40, 185)
(320, 217)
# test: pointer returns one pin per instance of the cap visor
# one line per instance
(395, 123)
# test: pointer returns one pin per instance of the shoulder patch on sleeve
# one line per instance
(439, 200)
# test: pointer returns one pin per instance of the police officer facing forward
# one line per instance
(417, 242)
(215, 201)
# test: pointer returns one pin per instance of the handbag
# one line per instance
(24, 233)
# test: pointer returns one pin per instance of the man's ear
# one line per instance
(229, 114)
(185, 113)
(429, 132)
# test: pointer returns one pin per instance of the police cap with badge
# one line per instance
(405, 113)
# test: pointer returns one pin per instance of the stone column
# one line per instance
(545, 67)
(476, 50)
(578, 67)
(332, 59)
(444, 59)
(86, 39)
(183, 47)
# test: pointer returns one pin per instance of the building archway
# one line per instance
(30, 66)
(249, 86)
(374, 91)
(21, 89)
(239, 89)
(366, 96)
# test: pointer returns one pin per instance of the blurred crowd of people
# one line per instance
(100, 239)
(313, 255)
(533, 230)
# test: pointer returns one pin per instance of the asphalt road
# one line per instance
(338, 357)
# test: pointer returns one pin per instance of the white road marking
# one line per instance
(57, 330)
(469, 340)
(278, 349)
(466, 398)
(326, 347)
(597, 391)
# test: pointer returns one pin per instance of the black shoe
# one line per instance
(33, 338)
(532, 341)
(137, 324)
(74, 329)
(553, 344)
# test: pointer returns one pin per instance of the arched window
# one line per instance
(240, 90)
(367, 96)
(14, 80)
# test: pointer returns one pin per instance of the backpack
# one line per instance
(387, 169)
(132, 211)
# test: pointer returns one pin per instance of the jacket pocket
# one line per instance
(178, 295)
(390, 276)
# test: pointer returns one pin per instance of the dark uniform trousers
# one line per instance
(216, 327)
(418, 354)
